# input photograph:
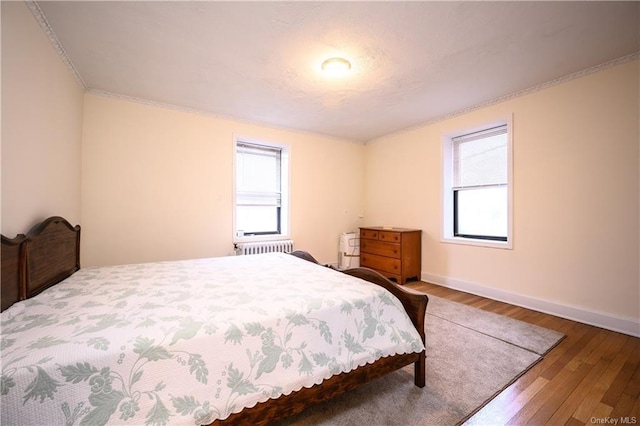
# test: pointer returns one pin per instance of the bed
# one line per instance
(136, 343)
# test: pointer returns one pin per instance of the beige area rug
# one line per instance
(472, 355)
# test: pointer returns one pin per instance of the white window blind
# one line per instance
(480, 159)
(258, 175)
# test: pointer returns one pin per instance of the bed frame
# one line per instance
(50, 252)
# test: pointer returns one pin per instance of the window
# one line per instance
(261, 191)
(477, 187)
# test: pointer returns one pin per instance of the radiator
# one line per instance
(283, 246)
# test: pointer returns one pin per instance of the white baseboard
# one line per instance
(611, 322)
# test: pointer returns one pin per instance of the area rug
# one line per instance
(472, 355)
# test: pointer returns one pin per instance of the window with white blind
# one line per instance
(261, 190)
(477, 186)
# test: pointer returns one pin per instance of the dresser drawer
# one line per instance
(381, 248)
(381, 263)
(368, 234)
(394, 237)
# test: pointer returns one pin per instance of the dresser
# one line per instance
(394, 252)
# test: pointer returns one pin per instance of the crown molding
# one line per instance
(37, 13)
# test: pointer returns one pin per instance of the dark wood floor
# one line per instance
(591, 377)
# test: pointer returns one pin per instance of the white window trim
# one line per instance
(285, 182)
(447, 182)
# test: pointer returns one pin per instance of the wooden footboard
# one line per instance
(415, 304)
(294, 403)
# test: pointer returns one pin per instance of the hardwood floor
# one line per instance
(591, 377)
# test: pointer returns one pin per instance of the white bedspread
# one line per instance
(189, 342)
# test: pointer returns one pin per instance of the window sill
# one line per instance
(505, 245)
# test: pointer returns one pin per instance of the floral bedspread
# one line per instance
(188, 342)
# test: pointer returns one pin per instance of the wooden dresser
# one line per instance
(394, 252)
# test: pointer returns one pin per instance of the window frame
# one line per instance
(448, 231)
(284, 212)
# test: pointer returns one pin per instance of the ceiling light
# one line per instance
(336, 66)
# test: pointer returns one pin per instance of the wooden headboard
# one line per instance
(49, 253)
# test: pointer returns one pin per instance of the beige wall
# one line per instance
(576, 185)
(157, 184)
(41, 126)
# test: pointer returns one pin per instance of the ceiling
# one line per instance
(412, 62)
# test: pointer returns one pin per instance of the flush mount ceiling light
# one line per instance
(336, 66)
